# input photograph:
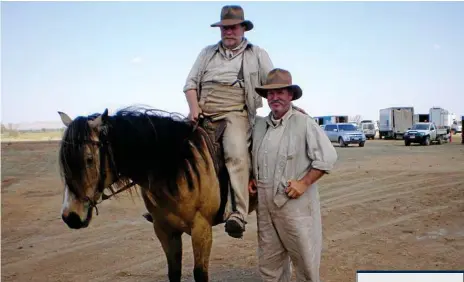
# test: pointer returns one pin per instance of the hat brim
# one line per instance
(248, 24)
(296, 90)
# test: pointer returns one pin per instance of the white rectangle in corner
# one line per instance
(410, 276)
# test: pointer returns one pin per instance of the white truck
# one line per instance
(425, 133)
(395, 121)
(441, 117)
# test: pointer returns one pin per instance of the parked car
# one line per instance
(369, 129)
(345, 134)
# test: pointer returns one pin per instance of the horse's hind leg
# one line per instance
(171, 241)
(201, 244)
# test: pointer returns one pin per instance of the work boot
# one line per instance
(235, 225)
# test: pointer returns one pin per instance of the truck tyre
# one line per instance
(440, 140)
(361, 144)
(426, 141)
(407, 143)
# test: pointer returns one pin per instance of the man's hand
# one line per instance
(195, 110)
(252, 187)
(295, 188)
(194, 114)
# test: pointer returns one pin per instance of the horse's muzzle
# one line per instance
(74, 221)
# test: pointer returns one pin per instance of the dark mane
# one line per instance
(148, 142)
(71, 154)
(148, 146)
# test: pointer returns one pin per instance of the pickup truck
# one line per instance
(425, 133)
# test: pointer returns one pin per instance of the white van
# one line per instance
(369, 129)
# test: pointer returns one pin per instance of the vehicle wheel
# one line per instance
(427, 141)
(440, 140)
(407, 143)
(361, 144)
(341, 142)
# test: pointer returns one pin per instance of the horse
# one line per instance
(178, 166)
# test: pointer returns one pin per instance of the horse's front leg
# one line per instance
(202, 239)
(171, 241)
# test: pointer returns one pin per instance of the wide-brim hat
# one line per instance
(232, 15)
(279, 79)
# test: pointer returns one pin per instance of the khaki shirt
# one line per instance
(267, 153)
(302, 145)
(256, 66)
(225, 66)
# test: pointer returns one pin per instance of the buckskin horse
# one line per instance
(178, 165)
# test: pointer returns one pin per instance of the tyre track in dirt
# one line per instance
(386, 196)
(157, 265)
(385, 223)
(360, 195)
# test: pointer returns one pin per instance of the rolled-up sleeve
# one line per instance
(320, 149)
(192, 78)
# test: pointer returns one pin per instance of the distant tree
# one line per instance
(356, 118)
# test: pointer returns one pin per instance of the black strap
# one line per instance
(240, 77)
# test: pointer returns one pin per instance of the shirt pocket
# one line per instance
(290, 162)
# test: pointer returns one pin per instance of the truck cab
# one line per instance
(425, 133)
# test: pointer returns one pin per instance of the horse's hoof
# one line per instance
(148, 217)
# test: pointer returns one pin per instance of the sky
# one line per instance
(350, 58)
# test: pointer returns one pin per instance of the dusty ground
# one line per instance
(385, 206)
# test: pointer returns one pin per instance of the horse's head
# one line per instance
(84, 166)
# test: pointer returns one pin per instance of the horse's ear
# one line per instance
(105, 116)
(99, 121)
(65, 118)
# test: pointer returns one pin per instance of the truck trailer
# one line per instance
(395, 121)
(441, 117)
(322, 120)
(421, 118)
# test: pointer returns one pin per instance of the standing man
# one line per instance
(221, 85)
(290, 153)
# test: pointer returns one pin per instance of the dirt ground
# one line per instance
(385, 206)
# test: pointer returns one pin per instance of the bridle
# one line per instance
(105, 150)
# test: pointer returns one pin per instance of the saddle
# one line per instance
(212, 132)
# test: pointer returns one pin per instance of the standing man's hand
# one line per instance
(252, 187)
(295, 188)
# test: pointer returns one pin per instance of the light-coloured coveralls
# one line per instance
(214, 72)
(289, 229)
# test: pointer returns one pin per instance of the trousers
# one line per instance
(291, 234)
(226, 102)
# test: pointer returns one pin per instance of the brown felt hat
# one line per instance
(232, 15)
(278, 79)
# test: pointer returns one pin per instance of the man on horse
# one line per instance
(221, 85)
(290, 153)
